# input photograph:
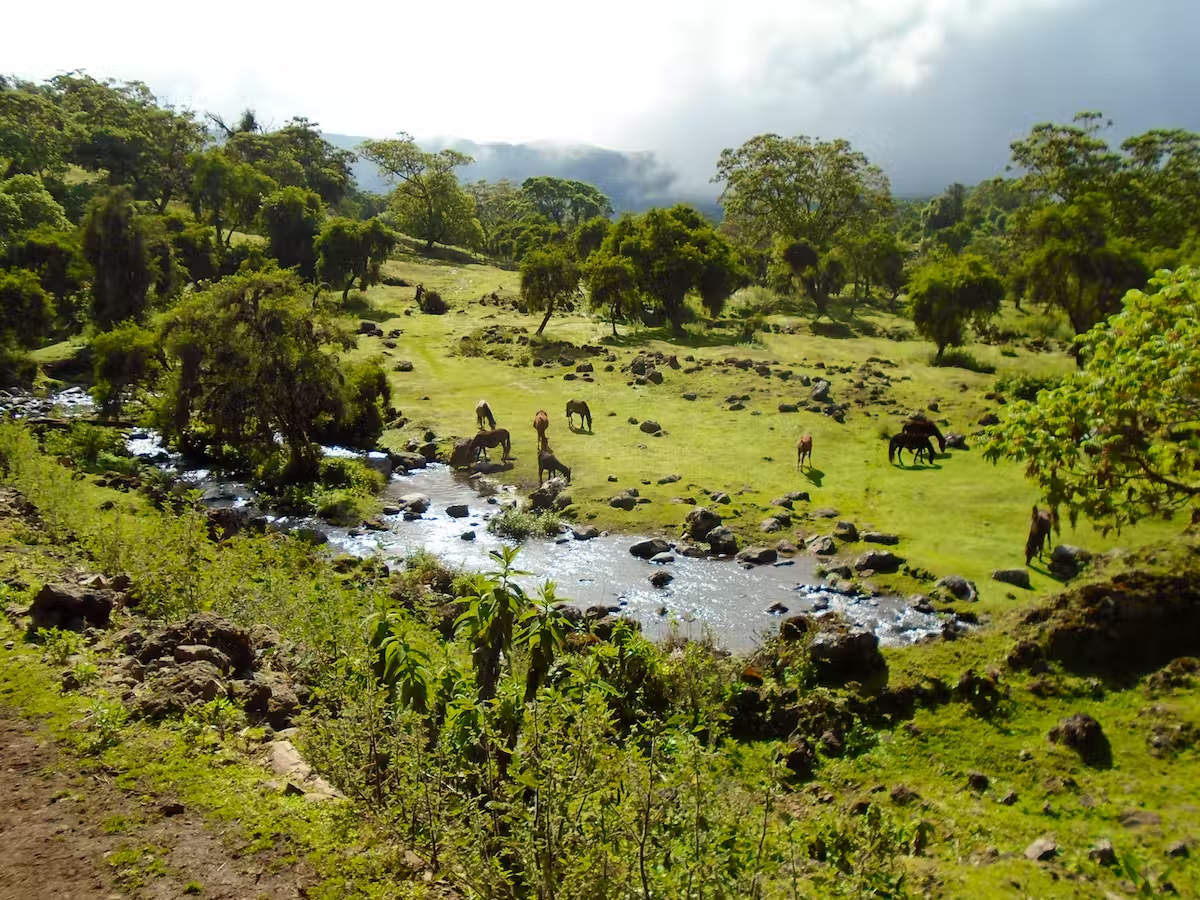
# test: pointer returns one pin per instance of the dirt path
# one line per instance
(54, 841)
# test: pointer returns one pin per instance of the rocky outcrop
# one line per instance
(1084, 735)
(699, 522)
(884, 561)
(71, 607)
(722, 541)
(544, 496)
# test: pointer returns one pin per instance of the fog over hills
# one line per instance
(633, 181)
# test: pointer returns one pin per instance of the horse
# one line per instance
(804, 451)
(578, 408)
(917, 443)
(497, 437)
(541, 422)
(548, 463)
(925, 428)
(1040, 524)
(483, 413)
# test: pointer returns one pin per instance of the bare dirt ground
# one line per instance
(53, 840)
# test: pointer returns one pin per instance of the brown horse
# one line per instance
(498, 437)
(578, 408)
(483, 413)
(1040, 524)
(917, 443)
(925, 428)
(541, 422)
(804, 451)
(548, 463)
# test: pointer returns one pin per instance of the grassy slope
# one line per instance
(965, 515)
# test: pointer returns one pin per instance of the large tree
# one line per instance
(25, 204)
(56, 257)
(548, 277)
(948, 293)
(612, 285)
(1119, 440)
(227, 193)
(25, 309)
(295, 155)
(427, 195)
(564, 202)
(292, 218)
(497, 204)
(348, 251)
(118, 248)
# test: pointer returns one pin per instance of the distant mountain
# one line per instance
(633, 181)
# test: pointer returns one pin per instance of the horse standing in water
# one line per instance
(925, 428)
(483, 414)
(498, 437)
(804, 451)
(917, 443)
(541, 421)
(578, 408)
(1040, 524)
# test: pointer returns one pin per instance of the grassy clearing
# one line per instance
(962, 515)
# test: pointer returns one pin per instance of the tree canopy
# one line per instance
(950, 292)
(548, 277)
(1119, 440)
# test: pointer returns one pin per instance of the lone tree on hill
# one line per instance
(1119, 440)
(548, 277)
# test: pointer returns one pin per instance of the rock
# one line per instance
(799, 757)
(1084, 735)
(1102, 853)
(960, 588)
(1016, 577)
(585, 367)
(1139, 818)
(956, 441)
(662, 559)
(824, 513)
(977, 781)
(467, 536)
(545, 495)
(795, 628)
(650, 427)
(840, 652)
(845, 531)
(429, 450)
(405, 365)
(1041, 850)
(690, 395)
(880, 537)
(186, 653)
(201, 629)
(822, 545)
(722, 541)
(654, 377)
(612, 478)
(585, 532)
(414, 503)
(789, 407)
(1009, 798)
(770, 525)
(757, 555)
(170, 808)
(624, 500)
(699, 522)
(786, 547)
(458, 511)
(171, 691)
(661, 579)
(70, 607)
(649, 548)
(720, 497)
(690, 551)
(921, 604)
(603, 628)
(883, 561)
(1066, 561)
(1177, 849)
(776, 609)
(820, 390)
(409, 461)
(902, 795)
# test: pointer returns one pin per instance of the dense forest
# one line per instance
(235, 291)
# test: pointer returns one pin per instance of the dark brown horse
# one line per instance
(925, 428)
(1040, 525)
(917, 443)
(548, 463)
(578, 408)
(804, 451)
(483, 413)
(485, 440)
(541, 422)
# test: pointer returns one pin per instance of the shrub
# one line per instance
(519, 524)
(961, 359)
(350, 473)
(1026, 387)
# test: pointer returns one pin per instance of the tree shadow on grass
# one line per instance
(360, 307)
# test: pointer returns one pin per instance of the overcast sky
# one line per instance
(932, 90)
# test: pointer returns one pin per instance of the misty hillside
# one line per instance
(633, 181)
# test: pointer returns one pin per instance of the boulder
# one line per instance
(845, 531)
(649, 548)
(460, 456)
(989, 419)
(585, 367)
(797, 496)
(205, 630)
(409, 461)
(1066, 561)
(1102, 853)
(824, 513)
(546, 494)
(789, 407)
(880, 537)
(690, 395)
(429, 450)
(690, 551)
(822, 545)
(977, 781)
(662, 559)
(405, 365)
(722, 541)
(956, 441)
(70, 607)
(757, 555)
(1041, 850)
(1016, 577)
(186, 653)
(661, 579)
(840, 652)
(458, 511)
(625, 500)
(1084, 735)
(414, 503)
(959, 588)
(786, 548)
(884, 561)
(654, 376)
(770, 525)
(173, 689)
(720, 497)
(799, 757)
(603, 628)
(585, 532)
(699, 522)
(820, 390)
(650, 427)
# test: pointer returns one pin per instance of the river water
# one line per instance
(718, 597)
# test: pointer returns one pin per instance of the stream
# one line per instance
(717, 597)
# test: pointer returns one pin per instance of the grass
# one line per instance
(963, 515)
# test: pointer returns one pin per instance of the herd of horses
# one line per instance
(489, 437)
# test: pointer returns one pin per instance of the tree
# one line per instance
(496, 204)
(1063, 162)
(1158, 194)
(564, 202)
(56, 257)
(821, 275)
(1119, 440)
(590, 235)
(226, 192)
(612, 284)
(25, 308)
(115, 245)
(449, 220)
(28, 205)
(292, 217)
(128, 355)
(33, 131)
(950, 292)
(427, 195)
(349, 251)
(295, 155)
(548, 277)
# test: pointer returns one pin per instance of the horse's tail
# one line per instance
(892, 449)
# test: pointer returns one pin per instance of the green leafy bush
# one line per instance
(520, 524)
(1021, 386)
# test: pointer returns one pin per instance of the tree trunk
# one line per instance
(545, 319)
(346, 292)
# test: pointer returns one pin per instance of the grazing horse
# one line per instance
(804, 451)
(483, 413)
(541, 422)
(917, 443)
(548, 463)
(925, 428)
(1040, 524)
(578, 408)
(498, 437)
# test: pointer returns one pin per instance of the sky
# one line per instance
(932, 90)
